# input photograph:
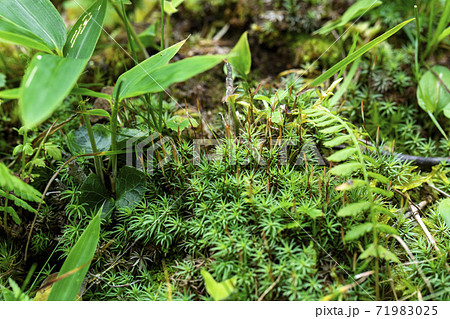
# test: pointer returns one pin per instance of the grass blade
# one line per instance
(80, 257)
(352, 57)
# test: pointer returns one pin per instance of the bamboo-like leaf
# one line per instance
(352, 57)
(83, 36)
(358, 231)
(345, 169)
(141, 73)
(342, 155)
(39, 17)
(337, 141)
(96, 112)
(358, 8)
(161, 78)
(78, 260)
(87, 92)
(240, 57)
(12, 33)
(353, 209)
(47, 81)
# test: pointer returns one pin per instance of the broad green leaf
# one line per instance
(79, 143)
(130, 187)
(358, 231)
(332, 129)
(142, 72)
(379, 177)
(83, 37)
(240, 57)
(180, 123)
(95, 195)
(353, 209)
(13, 34)
(386, 229)
(2, 80)
(161, 78)
(218, 290)
(444, 210)
(11, 94)
(78, 260)
(356, 10)
(39, 17)
(336, 141)
(432, 95)
(352, 57)
(342, 155)
(47, 81)
(87, 92)
(345, 169)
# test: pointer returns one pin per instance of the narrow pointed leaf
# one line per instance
(47, 81)
(240, 57)
(39, 17)
(142, 72)
(79, 259)
(352, 57)
(161, 78)
(13, 34)
(83, 36)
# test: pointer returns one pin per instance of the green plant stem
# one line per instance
(97, 162)
(115, 110)
(416, 49)
(23, 153)
(132, 31)
(160, 109)
(128, 28)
